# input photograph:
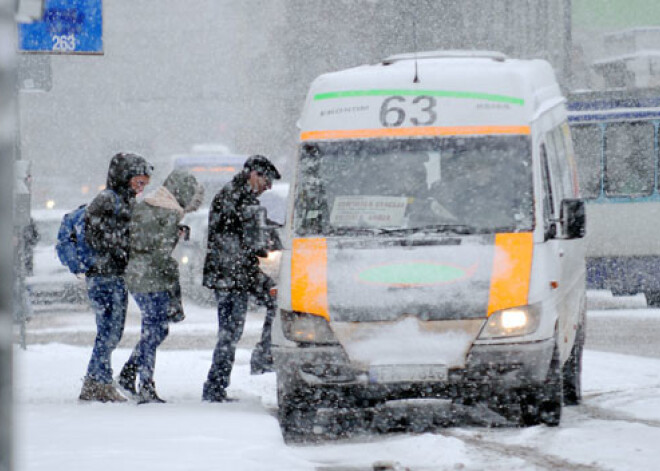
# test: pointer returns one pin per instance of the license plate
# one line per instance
(407, 373)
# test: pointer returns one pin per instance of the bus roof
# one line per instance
(590, 100)
(613, 104)
(455, 90)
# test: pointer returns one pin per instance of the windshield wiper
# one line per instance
(435, 229)
(343, 230)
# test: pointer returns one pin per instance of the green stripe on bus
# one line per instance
(412, 273)
(440, 93)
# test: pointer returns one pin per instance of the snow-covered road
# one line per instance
(617, 427)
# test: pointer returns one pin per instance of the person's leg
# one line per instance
(154, 331)
(109, 300)
(261, 360)
(232, 308)
(128, 374)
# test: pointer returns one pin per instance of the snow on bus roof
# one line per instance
(454, 88)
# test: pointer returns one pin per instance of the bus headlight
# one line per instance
(512, 322)
(274, 256)
(307, 328)
(185, 259)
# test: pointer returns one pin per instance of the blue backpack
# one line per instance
(72, 248)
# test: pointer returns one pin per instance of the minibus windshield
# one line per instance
(387, 186)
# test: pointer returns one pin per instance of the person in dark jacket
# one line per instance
(231, 267)
(152, 274)
(107, 220)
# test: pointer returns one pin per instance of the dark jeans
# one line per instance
(154, 330)
(261, 355)
(232, 308)
(109, 299)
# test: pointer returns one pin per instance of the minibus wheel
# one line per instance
(653, 298)
(543, 403)
(295, 414)
(572, 371)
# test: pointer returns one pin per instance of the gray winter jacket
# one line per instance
(154, 234)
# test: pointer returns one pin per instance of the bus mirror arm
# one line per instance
(573, 218)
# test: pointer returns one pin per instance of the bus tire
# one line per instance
(296, 417)
(653, 298)
(572, 371)
(543, 403)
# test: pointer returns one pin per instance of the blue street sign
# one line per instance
(68, 27)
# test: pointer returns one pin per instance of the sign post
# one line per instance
(7, 105)
(66, 27)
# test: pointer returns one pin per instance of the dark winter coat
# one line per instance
(230, 263)
(108, 215)
(155, 232)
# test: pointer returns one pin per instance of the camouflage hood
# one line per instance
(185, 189)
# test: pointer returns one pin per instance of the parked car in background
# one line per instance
(52, 286)
(190, 253)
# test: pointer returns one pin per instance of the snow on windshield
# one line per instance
(484, 183)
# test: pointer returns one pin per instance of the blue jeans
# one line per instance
(232, 309)
(109, 299)
(154, 331)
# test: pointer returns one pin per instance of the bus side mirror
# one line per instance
(573, 218)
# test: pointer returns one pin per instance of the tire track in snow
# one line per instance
(528, 454)
(600, 413)
(612, 392)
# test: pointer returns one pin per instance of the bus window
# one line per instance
(548, 199)
(562, 163)
(565, 135)
(558, 166)
(588, 145)
(629, 159)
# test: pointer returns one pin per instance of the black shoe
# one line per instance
(213, 393)
(126, 380)
(148, 394)
(261, 368)
(219, 399)
(260, 363)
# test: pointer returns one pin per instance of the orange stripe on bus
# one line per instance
(309, 276)
(416, 131)
(512, 268)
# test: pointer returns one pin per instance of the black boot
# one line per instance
(148, 394)
(126, 379)
(213, 393)
(261, 361)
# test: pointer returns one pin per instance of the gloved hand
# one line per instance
(175, 311)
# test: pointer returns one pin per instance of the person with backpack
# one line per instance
(106, 232)
(152, 274)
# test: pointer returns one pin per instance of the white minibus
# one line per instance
(434, 251)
